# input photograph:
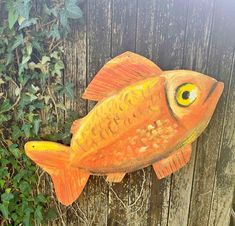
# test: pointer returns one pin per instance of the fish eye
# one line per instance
(186, 94)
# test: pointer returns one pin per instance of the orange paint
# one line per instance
(144, 116)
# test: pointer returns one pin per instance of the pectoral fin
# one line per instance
(174, 162)
(115, 177)
(76, 124)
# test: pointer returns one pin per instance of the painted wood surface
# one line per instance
(187, 34)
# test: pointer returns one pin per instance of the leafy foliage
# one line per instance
(31, 100)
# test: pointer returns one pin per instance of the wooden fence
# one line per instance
(176, 34)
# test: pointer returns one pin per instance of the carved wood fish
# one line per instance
(144, 116)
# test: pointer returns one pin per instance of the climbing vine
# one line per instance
(32, 90)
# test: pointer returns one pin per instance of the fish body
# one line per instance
(144, 116)
(127, 131)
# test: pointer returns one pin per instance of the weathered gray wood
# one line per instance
(224, 183)
(224, 180)
(199, 21)
(98, 52)
(167, 30)
(144, 41)
(187, 34)
(127, 199)
(75, 72)
(169, 33)
(219, 65)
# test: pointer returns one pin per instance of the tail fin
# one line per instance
(54, 159)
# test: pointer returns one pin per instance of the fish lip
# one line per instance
(217, 87)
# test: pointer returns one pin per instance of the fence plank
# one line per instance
(146, 19)
(98, 50)
(75, 72)
(219, 65)
(224, 181)
(196, 46)
(162, 41)
(197, 35)
(221, 203)
(125, 200)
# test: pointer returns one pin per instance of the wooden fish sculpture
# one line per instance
(144, 116)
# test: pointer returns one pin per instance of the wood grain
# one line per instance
(196, 46)
(98, 53)
(187, 34)
(219, 63)
(125, 199)
(75, 72)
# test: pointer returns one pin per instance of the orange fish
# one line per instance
(144, 116)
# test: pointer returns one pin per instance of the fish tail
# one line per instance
(54, 158)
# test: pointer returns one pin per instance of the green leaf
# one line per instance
(16, 132)
(36, 125)
(21, 20)
(12, 17)
(73, 11)
(14, 150)
(45, 59)
(68, 90)
(51, 214)
(64, 18)
(25, 59)
(29, 49)
(4, 118)
(2, 183)
(23, 8)
(18, 41)
(9, 57)
(55, 55)
(24, 187)
(26, 218)
(26, 128)
(38, 215)
(4, 210)
(59, 65)
(6, 197)
(27, 23)
(41, 198)
(54, 33)
(32, 97)
(5, 106)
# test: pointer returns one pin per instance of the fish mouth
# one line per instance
(214, 92)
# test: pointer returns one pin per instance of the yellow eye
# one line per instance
(186, 94)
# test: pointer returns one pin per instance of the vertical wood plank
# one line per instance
(98, 50)
(221, 204)
(123, 26)
(196, 46)
(75, 72)
(219, 65)
(169, 33)
(224, 181)
(126, 199)
(163, 35)
(160, 37)
(146, 20)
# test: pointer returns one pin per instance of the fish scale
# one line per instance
(122, 109)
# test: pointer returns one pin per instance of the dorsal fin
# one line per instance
(118, 73)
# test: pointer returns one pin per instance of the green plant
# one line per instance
(31, 99)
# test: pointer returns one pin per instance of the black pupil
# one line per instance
(185, 95)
